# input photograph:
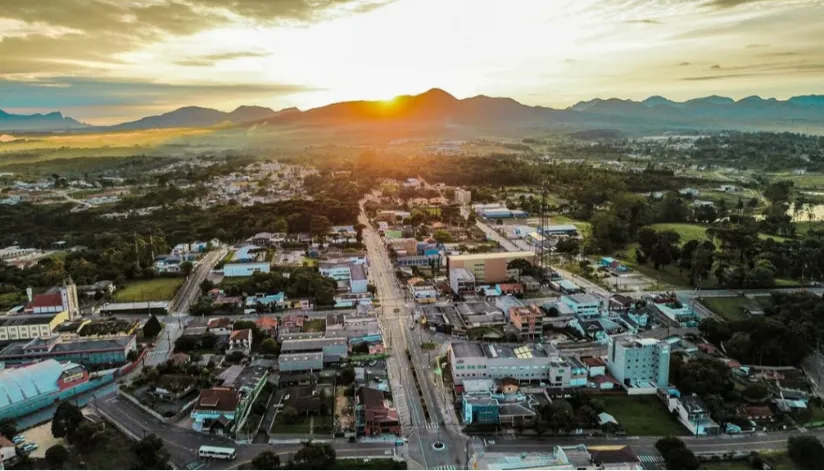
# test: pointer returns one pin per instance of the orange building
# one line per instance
(528, 320)
(489, 267)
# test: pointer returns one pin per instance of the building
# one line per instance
(615, 457)
(373, 415)
(559, 230)
(27, 389)
(529, 322)
(489, 267)
(334, 349)
(240, 341)
(29, 327)
(463, 196)
(219, 326)
(63, 299)
(160, 308)
(246, 261)
(300, 362)
(350, 276)
(538, 363)
(86, 352)
(583, 305)
(639, 362)
(8, 451)
(267, 325)
(70, 330)
(462, 281)
(422, 292)
(225, 409)
(693, 414)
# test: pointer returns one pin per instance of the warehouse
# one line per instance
(86, 352)
(26, 390)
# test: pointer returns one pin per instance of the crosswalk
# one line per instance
(651, 458)
(432, 426)
(446, 467)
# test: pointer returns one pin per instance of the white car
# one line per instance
(18, 439)
(30, 447)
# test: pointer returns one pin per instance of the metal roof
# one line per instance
(20, 384)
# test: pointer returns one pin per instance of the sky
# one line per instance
(107, 61)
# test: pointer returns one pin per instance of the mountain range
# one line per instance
(437, 109)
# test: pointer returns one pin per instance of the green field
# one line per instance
(690, 232)
(643, 415)
(731, 308)
(582, 226)
(157, 289)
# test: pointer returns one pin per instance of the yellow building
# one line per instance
(489, 267)
(29, 327)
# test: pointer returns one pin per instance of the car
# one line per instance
(18, 439)
(30, 447)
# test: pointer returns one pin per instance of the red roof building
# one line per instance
(378, 418)
(45, 303)
(267, 324)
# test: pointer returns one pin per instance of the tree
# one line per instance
(346, 376)
(8, 428)
(319, 226)
(86, 436)
(372, 289)
(206, 285)
(681, 458)
(667, 444)
(442, 236)
(152, 327)
(66, 419)
(519, 264)
(806, 451)
(289, 415)
(281, 225)
(315, 456)
(186, 267)
(266, 460)
(56, 456)
(269, 346)
(151, 454)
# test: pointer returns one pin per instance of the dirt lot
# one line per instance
(41, 435)
(343, 409)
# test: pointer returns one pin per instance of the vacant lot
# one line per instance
(158, 289)
(643, 415)
(731, 308)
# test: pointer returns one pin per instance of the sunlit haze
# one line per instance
(106, 61)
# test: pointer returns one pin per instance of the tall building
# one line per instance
(463, 196)
(489, 267)
(639, 362)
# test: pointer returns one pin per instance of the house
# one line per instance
(267, 325)
(350, 276)
(215, 409)
(8, 451)
(105, 287)
(292, 321)
(590, 329)
(620, 304)
(691, 192)
(179, 358)
(276, 300)
(693, 413)
(754, 412)
(462, 281)
(373, 416)
(530, 284)
(240, 341)
(595, 366)
(219, 326)
(614, 457)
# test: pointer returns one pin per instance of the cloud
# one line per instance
(211, 59)
(724, 4)
(100, 30)
(66, 92)
(716, 66)
(779, 54)
(757, 46)
(716, 77)
(645, 21)
(684, 64)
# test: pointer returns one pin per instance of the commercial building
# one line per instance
(334, 349)
(529, 322)
(489, 267)
(85, 352)
(300, 362)
(462, 281)
(350, 276)
(29, 327)
(539, 363)
(160, 308)
(639, 362)
(247, 261)
(583, 305)
(30, 388)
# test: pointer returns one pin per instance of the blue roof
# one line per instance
(20, 384)
(243, 253)
(267, 299)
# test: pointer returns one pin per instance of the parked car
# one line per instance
(30, 447)
(18, 439)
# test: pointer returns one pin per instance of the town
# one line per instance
(431, 331)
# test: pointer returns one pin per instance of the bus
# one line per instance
(217, 452)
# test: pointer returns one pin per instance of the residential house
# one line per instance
(219, 326)
(267, 325)
(215, 409)
(373, 415)
(462, 281)
(240, 341)
(693, 413)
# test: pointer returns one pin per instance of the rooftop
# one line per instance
(9, 321)
(20, 384)
(46, 300)
(583, 298)
(492, 256)
(119, 343)
(218, 399)
(480, 350)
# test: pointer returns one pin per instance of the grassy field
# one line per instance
(643, 415)
(698, 231)
(582, 226)
(157, 289)
(731, 308)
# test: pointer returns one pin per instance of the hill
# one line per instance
(38, 122)
(197, 117)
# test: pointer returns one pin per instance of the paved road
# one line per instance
(396, 321)
(183, 443)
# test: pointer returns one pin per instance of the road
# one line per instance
(396, 320)
(179, 309)
(183, 443)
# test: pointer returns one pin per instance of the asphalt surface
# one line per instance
(183, 443)
(441, 426)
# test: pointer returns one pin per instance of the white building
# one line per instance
(461, 280)
(639, 362)
(463, 196)
(247, 261)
